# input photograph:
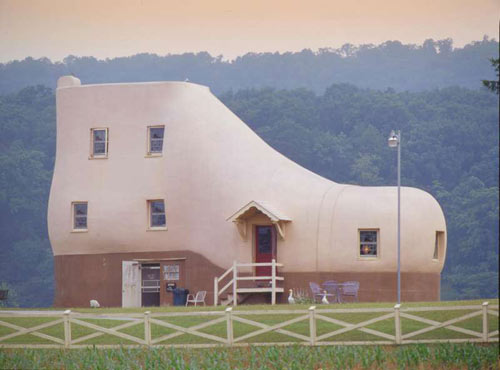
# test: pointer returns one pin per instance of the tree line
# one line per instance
(392, 64)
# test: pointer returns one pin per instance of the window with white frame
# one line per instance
(368, 243)
(99, 147)
(155, 139)
(157, 217)
(80, 215)
(171, 272)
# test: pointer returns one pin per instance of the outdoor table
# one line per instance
(333, 287)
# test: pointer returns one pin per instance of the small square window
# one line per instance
(368, 243)
(99, 147)
(80, 215)
(155, 139)
(171, 272)
(157, 217)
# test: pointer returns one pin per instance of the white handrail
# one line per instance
(226, 273)
(225, 287)
(260, 278)
(234, 281)
(273, 282)
(235, 284)
(259, 264)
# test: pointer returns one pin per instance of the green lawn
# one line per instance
(240, 329)
(492, 301)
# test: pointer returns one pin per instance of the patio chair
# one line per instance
(199, 297)
(349, 289)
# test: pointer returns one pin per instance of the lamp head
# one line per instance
(393, 140)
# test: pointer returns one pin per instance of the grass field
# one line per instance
(419, 356)
(492, 301)
(240, 329)
(439, 356)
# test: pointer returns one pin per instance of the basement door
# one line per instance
(265, 248)
(131, 284)
(150, 273)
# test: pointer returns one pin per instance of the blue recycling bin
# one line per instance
(180, 296)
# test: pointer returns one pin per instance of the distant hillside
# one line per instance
(435, 64)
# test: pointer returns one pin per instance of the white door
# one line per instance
(131, 284)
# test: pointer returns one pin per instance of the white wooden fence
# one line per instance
(313, 315)
(273, 288)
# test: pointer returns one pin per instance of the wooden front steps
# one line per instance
(246, 290)
(244, 294)
(229, 299)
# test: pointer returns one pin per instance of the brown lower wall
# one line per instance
(80, 278)
(376, 287)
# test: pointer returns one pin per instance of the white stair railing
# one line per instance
(236, 277)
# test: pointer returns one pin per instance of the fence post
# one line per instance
(485, 322)
(147, 327)
(67, 328)
(235, 278)
(229, 325)
(216, 290)
(397, 323)
(312, 325)
(273, 282)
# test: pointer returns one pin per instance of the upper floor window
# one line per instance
(99, 137)
(368, 243)
(157, 217)
(80, 215)
(155, 139)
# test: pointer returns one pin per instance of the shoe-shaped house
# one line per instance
(158, 185)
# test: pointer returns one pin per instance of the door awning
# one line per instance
(251, 208)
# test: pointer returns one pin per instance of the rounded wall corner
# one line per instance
(68, 81)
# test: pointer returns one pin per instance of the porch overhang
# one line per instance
(241, 216)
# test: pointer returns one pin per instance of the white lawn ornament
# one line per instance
(291, 300)
(94, 303)
(324, 300)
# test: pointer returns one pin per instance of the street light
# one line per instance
(395, 141)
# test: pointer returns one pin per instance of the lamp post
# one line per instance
(395, 141)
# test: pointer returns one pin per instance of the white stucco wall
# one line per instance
(213, 164)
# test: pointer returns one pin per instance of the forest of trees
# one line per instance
(434, 64)
(450, 149)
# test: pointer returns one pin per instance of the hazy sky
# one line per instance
(109, 28)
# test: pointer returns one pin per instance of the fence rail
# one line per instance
(228, 336)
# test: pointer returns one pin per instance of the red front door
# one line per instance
(265, 248)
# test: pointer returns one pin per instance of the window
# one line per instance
(99, 138)
(155, 139)
(157, 214)
(80, 216)
(265, 239)
(171, 272)
(438, 245)
(368, 243)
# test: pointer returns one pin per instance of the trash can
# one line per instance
(180, 296)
